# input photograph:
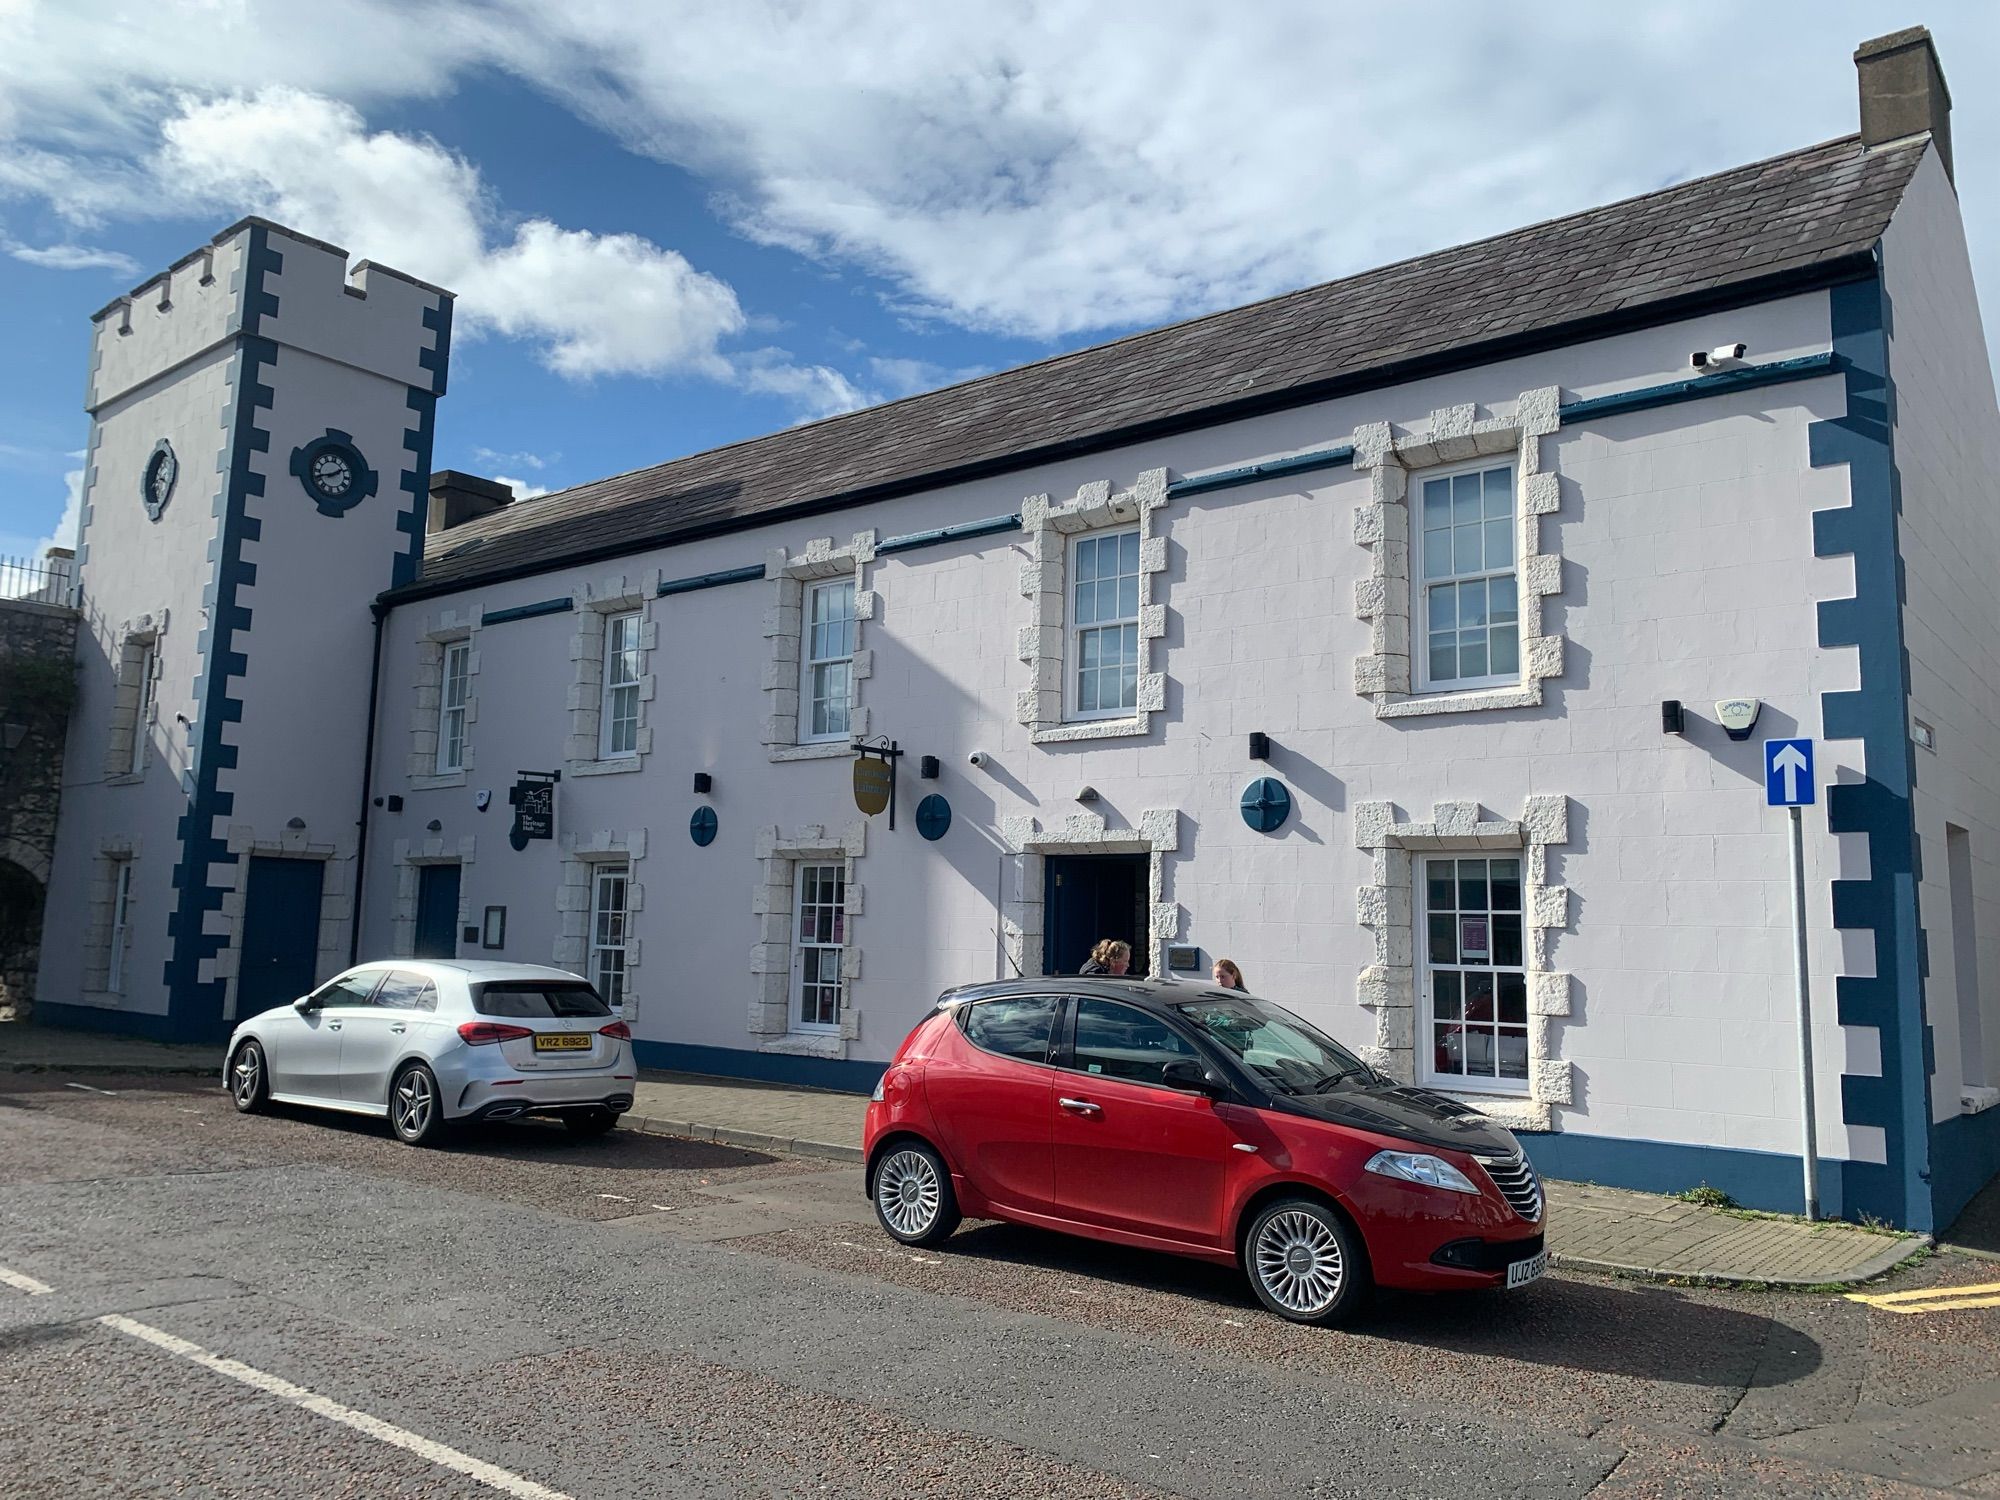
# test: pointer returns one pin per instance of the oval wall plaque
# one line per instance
(702, 826)
(933, 817)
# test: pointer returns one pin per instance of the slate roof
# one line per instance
(1765, 228)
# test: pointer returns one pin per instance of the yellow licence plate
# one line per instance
(562, 1041)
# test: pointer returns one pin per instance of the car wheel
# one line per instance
(249, 1088)
(1305, 1263)
(589, 1121)
(416, 1113)
(913, 1196)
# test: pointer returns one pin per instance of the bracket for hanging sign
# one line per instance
(875, 777)
(533, 798)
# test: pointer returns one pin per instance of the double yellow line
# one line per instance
(1932, 1299)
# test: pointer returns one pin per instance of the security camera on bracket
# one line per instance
(1714, 361)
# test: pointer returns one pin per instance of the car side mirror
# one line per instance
(1185, 1073)
(305, 1005)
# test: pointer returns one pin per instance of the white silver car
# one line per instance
(427, 1043)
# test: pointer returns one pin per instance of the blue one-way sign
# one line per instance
(1788, 773)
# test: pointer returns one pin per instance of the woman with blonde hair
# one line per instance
(1228, 976)
(1110, 956)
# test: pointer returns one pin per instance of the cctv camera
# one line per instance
(977, 758)
(1721, 357)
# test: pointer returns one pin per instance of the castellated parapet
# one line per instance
(370, 316)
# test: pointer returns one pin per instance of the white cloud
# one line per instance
(815, 390)
(14, 582)
(593, 304)
(75, 258)
(521, 460)
(1036, 168)
(521, 488)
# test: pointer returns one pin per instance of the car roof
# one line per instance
(475, 971)
(1156, 994)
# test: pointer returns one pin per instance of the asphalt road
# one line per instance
(298, 1306)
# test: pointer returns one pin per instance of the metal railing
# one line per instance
(50, 579)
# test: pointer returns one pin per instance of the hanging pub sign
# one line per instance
(533, 798)
(875, 778)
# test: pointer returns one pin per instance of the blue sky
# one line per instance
(674, 226)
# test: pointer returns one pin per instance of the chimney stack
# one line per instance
(1903, 92)
(457, 498)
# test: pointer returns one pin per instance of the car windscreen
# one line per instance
(535, 1000)
(1285, 1052)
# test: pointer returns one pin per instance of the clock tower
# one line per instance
(258, 467)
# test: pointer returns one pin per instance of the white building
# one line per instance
(1330, 634)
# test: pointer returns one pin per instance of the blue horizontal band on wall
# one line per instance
(712, 580)
(834, 1074)
(1765, 1180)
(1700, 387)
(988, 527)
(560, 606)
(1276, 468)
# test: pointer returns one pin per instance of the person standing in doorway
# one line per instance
(1228, 976)
(1110, 956)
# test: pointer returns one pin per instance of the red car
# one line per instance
(1202, 1122)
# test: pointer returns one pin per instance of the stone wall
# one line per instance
(37, 680)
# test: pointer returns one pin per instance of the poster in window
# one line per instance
(1472, 941)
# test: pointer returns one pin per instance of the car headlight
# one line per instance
(877, 1095)
(1422, 1169)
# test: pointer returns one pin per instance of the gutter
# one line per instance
(381, 613)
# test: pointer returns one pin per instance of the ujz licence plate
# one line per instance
(566, 1041)
(1521, 1272)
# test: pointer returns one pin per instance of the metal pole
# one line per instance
(1807, 1120)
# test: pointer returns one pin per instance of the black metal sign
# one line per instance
(533, 798)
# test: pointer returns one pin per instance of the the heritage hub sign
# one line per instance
(533, 798)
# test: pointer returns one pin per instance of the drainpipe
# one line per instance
(381, 613)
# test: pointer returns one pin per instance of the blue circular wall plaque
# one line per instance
(933, 817)
(1266, 804)
(701, 827)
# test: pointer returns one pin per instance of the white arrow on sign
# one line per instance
(1790, 764)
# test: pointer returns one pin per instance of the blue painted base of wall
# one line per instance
(108, 1022)
(767, 1067)
(1965, 1156)
(1755, 1179)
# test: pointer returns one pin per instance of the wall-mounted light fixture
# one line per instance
(297, 825)
(1672, 719)
(434, 826)
(1087, 794)
(927, 768)
(703, 782)
(1260, 745)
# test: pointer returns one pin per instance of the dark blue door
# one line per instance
(280, 933)
(1089, 897)
(437, 911)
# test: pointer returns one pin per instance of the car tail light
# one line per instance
(484, 1033)
(618, 1031)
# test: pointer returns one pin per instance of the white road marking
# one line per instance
(21, 1283)
(86, 1088)
(386, 1432)
(615, 1197)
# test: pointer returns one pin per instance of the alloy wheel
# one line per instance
(1299, 1262)
(906, 1190)
(246, 1077)
(415, 1099)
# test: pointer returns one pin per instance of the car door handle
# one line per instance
(400, 1026)
(333, 1025)
(1080, 1106)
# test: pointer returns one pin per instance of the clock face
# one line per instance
(162, 483)
(332, 474)
(156, 485)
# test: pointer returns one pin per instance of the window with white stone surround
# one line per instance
(806, 960)
(1457, 570)
(135, 698)
(817, 660)
(121, 923)
(446, 707)
(1466, 919)
(600, 894)
(612, 683)
(1094, 587)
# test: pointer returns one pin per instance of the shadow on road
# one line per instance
(1643, 1332)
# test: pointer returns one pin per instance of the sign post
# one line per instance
(1789, 783)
